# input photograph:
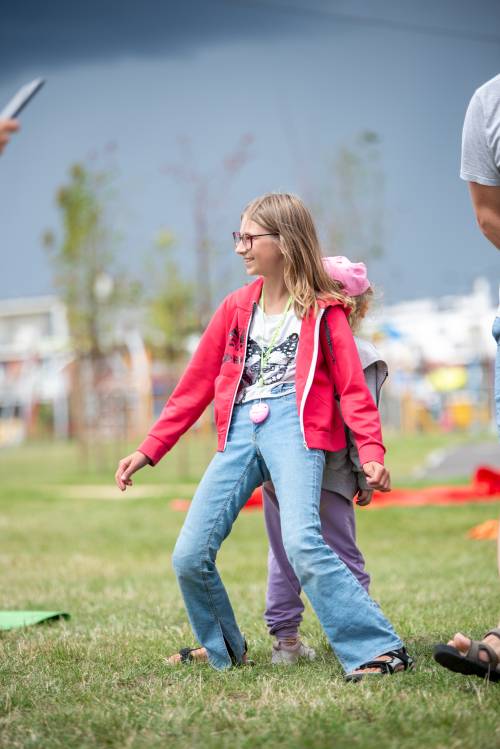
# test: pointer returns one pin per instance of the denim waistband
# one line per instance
(284, 397)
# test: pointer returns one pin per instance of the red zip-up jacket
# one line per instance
(324, 368)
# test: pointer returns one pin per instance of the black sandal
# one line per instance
(392, 666)
(186, 656)
(471, 664)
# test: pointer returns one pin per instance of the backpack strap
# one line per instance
(328, 336)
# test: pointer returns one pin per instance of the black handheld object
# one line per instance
(20, 99)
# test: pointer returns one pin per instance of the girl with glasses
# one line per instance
(275, 358)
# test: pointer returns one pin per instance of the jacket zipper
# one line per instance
(254, 304)
(310, 376)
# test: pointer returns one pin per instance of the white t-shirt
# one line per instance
(481, 138)
(279, 371)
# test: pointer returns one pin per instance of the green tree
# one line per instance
(83, 258)
(173, 312)
(357, 200)
(207, 192)
(349, 199)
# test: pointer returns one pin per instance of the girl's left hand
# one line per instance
(377, 476)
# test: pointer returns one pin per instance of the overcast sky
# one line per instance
(302, 77)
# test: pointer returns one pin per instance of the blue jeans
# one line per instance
(274, 449)
(496, 336)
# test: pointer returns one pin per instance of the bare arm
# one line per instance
(7, 127)
(486, 202)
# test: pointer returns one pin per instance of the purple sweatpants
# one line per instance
(284, 606)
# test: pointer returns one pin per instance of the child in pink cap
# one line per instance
(343, 480)
(352, 276)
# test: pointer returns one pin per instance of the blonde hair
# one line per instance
(361, 306)
(305, 276)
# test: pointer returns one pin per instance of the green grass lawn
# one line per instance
(99, 680)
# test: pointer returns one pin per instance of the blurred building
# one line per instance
(34, 356)
(44, 391)
(440, 354)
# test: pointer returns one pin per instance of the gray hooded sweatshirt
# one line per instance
(343, 473)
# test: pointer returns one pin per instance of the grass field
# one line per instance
(99, 680)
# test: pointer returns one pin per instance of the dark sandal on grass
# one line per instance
(186, 656)
(399, 661)
(471, 664)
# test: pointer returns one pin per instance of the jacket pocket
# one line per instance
(318, 414)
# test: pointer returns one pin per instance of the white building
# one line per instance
(34, 355)
(450, 330)
(429, 341)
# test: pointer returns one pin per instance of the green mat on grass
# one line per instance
(15, 619)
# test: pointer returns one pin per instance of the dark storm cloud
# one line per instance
(59, 32)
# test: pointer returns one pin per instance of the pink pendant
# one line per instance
(259, 412)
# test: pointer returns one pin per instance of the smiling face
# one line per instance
(291, 258)
(265, 257)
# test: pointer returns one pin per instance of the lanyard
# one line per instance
(264, 355)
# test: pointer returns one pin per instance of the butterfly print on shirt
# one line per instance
(276, 366)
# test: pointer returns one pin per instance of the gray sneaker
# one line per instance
(287, 655)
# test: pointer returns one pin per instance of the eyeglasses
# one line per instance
(247, 239)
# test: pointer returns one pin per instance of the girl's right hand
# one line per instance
(127, 466)
(377, 476)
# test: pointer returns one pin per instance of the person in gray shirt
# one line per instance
(481, 169)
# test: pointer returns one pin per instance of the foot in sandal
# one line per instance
(389, 663)
(187, 655)
(195, 655)
(472, 657)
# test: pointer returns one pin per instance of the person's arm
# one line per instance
(486, 202)
(356, 403)
(364, 492)
(480, 161)
(193, 393)
(7, 127)
(364, 496)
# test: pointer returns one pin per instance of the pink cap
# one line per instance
(352, 276)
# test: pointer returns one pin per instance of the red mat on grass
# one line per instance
(485, 487)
